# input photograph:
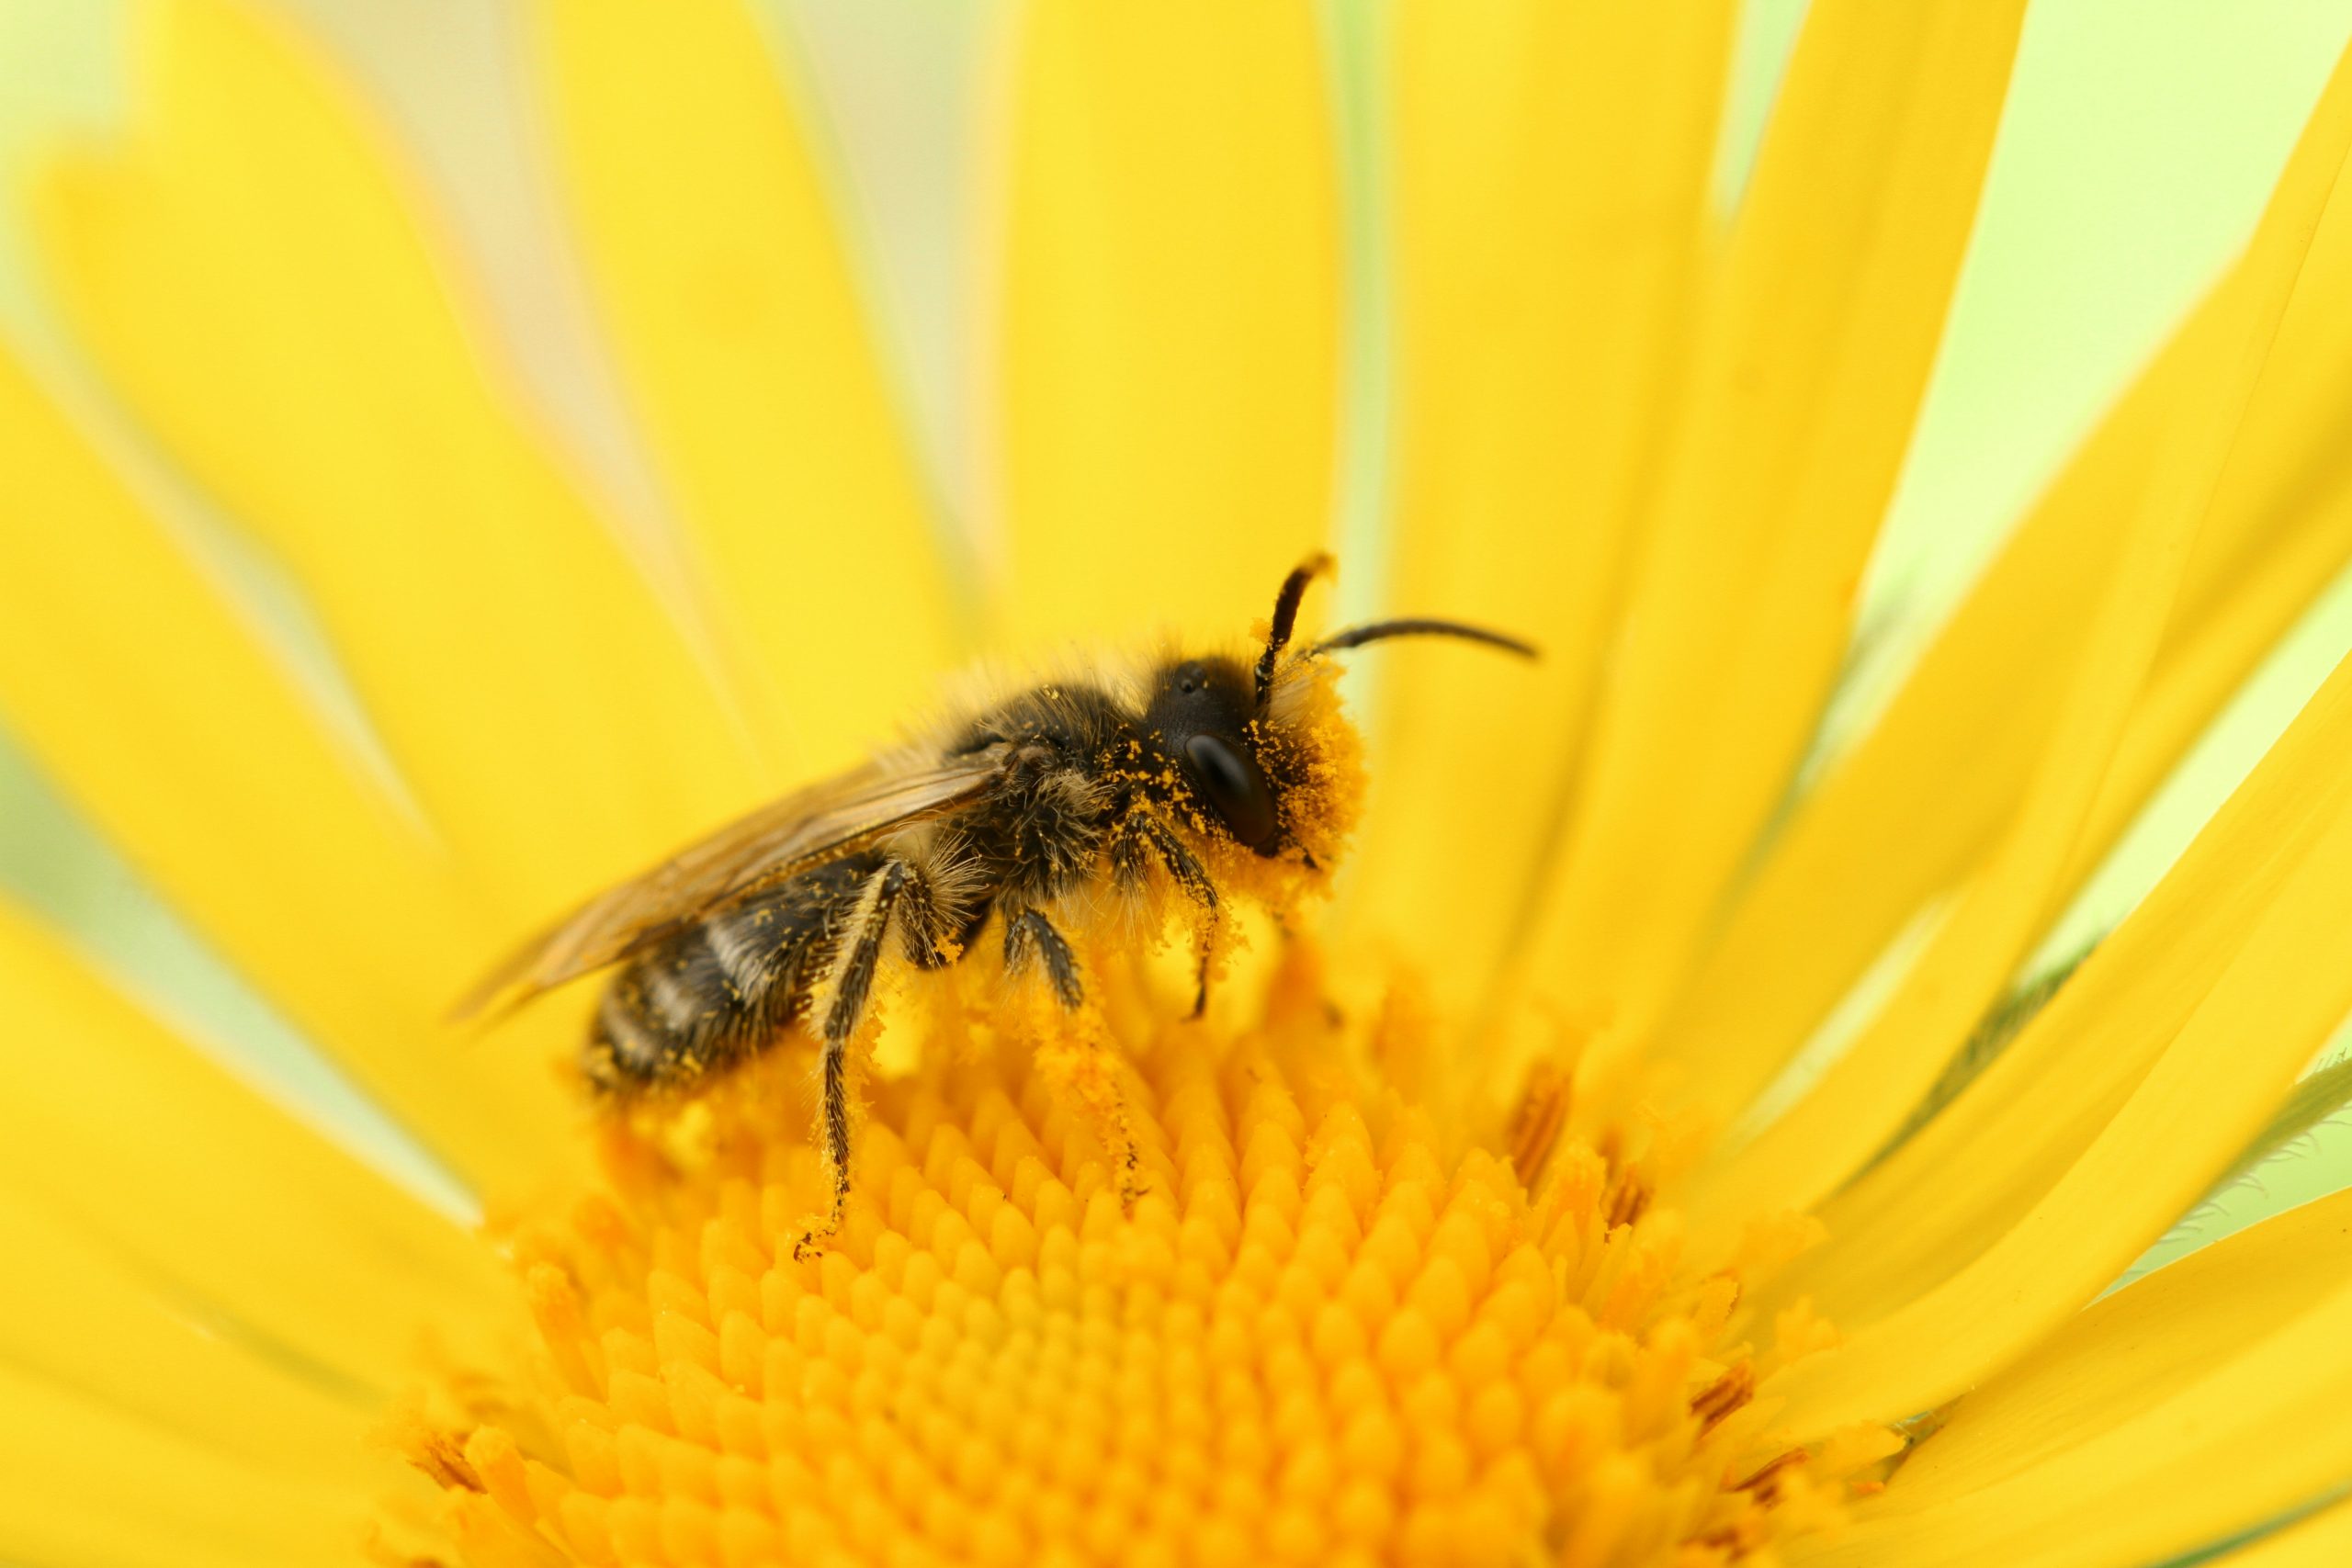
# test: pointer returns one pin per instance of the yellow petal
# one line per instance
(1906, 1224)
(2125, 1356)
(1814, 347)
(83, 1483)
(150, 701)
(2323, 1541)
(709, 240)
(2201, 1401)
(1550, 166)
(2247, 1037)
(1864, 1098)
(2211, 1090)
(234, 1217)
(84, 1321)
(1855, 861)
(246, 267)
(1167, 339)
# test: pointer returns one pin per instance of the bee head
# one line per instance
(1204, 717)
(1265, 750)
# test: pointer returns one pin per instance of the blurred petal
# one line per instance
(708, 233)
(1550, 164)
(1855, 860)
(2203, 1401)
(1167, 341)
(107, 1332)
(2323, 1541)
(248, 270)
(2261, 1021)
(1865, 1096)
(140, 689)
(2214, 1086)
(1811, 352)
(124, 1140)
(1905, 1224)
(1867, 1092)
(84, 1483)
(2121, 1357)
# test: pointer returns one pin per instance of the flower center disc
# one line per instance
(1312, 1335)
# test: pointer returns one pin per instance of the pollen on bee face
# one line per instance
(1314, 753)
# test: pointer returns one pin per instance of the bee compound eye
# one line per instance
(1235, 787)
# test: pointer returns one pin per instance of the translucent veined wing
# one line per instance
(836, 816)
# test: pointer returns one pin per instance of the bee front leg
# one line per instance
(850, 986)
(1192, 877)
(1082, 1068)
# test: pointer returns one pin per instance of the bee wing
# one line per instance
(808, 827)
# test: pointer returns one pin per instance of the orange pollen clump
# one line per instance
(1318, 1334)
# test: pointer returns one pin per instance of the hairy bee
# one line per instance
(1203, 776)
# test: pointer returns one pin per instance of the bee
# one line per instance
(1194, 778)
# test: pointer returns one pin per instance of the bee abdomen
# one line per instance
(719, 990)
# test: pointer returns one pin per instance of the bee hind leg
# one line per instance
(1081, 1066)
(843, 1009)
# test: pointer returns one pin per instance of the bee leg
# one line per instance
(1029, 935)
(1083, 1071)
(1185, 869)
(853, 984)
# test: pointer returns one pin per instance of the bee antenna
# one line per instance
(1377, 631)
(1294, 588)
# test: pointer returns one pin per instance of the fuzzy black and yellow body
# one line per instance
(1188, 779)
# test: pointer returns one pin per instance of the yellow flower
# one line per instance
(1460, 1238)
